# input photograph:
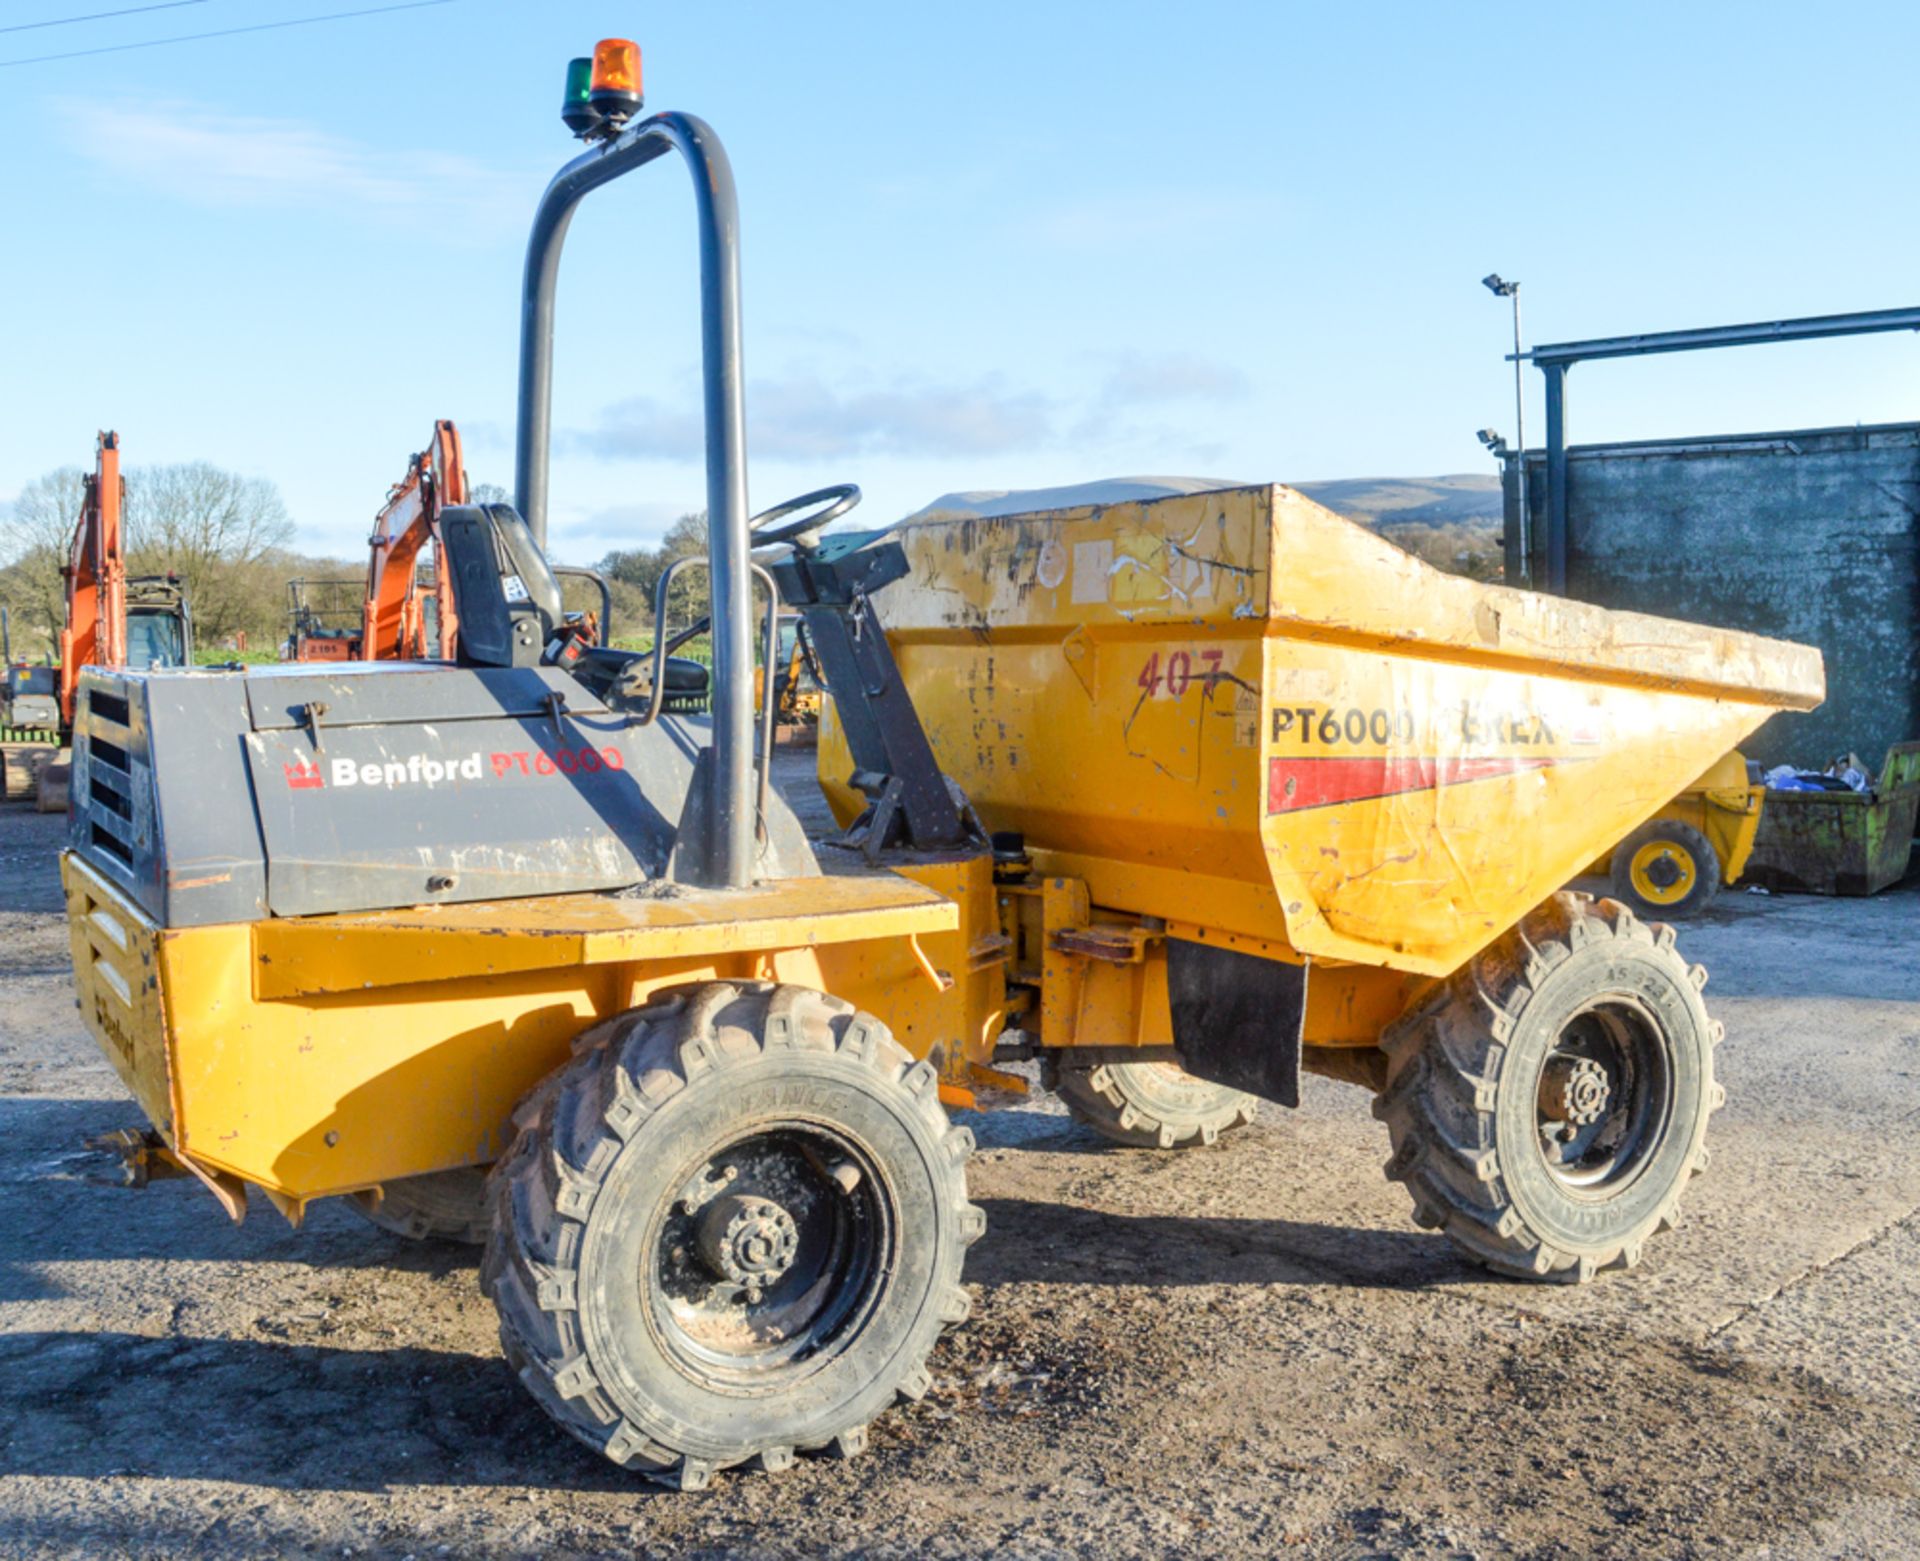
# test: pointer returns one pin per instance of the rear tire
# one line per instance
(52, 777)
(1665, 868)
(1151, 1105)
(731, 1228)
(441, 1206)
(1548, 1103)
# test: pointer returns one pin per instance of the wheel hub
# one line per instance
(747, 1240)
(1663, 872)
(1574, 1090)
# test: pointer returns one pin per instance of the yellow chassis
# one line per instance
(321, 1055)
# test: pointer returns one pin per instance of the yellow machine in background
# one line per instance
(796, 692)
(1676, 862)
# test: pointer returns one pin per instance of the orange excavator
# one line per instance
(403, 617)
(113, 619)
(96, 579)
(411, 610)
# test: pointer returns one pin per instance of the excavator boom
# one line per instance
(96, 578)
(393, 624)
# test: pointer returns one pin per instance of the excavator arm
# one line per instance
(393, 624)
(96, 579)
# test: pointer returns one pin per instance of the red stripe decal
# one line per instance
(1296, 784)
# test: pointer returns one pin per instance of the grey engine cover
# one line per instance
(226, 796)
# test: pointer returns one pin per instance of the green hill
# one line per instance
(1411, 501)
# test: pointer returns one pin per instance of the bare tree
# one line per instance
(36, 531)
(220, 532)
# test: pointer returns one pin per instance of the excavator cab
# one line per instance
(159, 622)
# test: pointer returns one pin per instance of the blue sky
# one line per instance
(985, 246)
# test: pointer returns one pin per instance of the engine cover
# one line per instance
(228, 795)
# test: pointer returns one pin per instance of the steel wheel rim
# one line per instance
(770, 1272)
(1663, 872)
(1603, 1097)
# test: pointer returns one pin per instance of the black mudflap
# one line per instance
(1237, 1018)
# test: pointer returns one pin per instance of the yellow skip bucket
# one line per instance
(1240, 710)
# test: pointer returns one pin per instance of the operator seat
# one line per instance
(509, 604)
(503, 589)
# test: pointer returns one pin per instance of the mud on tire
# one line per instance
(1150, 1105)
(441, 1206)
(731, 1228)
(1547, 1104)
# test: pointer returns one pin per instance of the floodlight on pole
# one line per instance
(1500, 287)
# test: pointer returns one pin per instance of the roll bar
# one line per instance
(729, 854)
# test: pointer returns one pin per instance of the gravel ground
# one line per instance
(1244, 1350)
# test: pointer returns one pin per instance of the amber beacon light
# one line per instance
(615, 85)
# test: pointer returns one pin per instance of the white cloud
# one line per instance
(589, 537)
(806, 419)
(803, 418)
(218, 159)
(1144, 379)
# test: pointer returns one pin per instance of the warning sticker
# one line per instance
(1246, 719)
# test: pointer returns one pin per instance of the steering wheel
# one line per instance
(837, 501)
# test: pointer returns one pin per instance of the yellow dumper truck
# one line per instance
(1676, 862)
(1182, 799)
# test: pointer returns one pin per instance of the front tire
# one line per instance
(731, 1228)
(1548, 1103)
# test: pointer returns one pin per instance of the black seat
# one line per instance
(621, 677)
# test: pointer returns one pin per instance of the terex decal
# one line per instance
(1341, 753)
(1324, 782)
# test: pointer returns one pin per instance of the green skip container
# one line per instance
(1840, 842)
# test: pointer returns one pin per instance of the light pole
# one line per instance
(1501, 288)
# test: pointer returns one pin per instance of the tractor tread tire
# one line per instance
(572, 1128)
(440, 1206)
(1445, 1059)
(1118, 1103)
(1706, 883)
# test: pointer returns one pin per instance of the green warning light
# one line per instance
(579, 114)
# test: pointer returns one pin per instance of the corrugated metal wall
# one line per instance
(1807, 535)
